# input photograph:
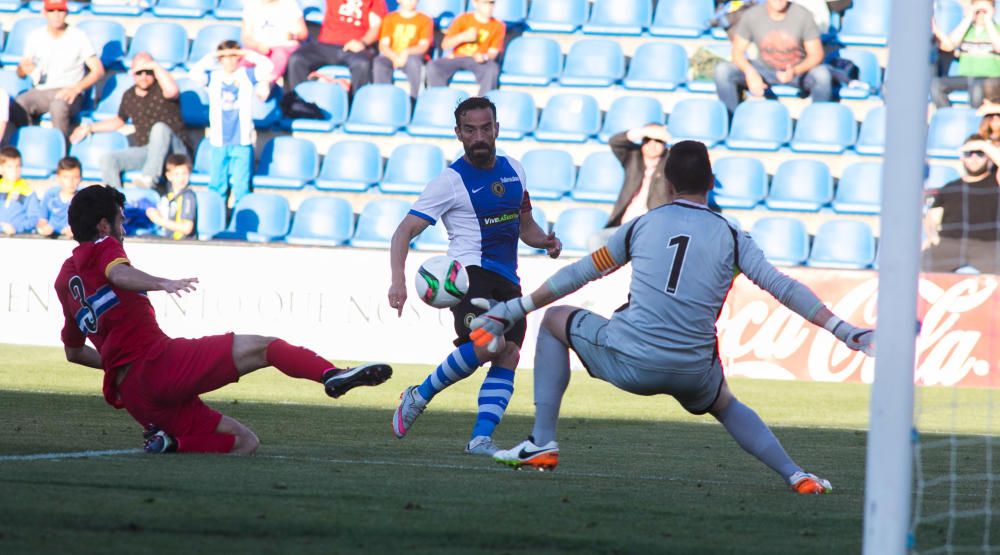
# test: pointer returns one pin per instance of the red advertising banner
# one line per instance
(758, 337)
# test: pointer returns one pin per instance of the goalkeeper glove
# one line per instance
(499, 317)
(857, 339)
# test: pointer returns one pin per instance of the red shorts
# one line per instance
(163, 389)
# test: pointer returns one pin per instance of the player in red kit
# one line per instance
(155, 378)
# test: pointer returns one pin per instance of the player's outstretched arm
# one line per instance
(399, 247)
(124, 276)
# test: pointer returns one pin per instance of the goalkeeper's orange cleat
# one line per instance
(809, 484)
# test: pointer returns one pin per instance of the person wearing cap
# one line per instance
(989, 127)
(153, 107)
(62, 65)
(976, 42)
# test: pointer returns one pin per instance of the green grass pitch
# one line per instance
(636, 475)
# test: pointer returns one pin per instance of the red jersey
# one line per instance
(121, 324)
(347, 20)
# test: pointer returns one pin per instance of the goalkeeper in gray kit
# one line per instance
(663, 341)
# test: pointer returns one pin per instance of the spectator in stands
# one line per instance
(962, 224)
(53, 217)
(790, 54)
(274, 28)
(475, 40)
(153, 106)
(989, 127)
(231, 86)
(55, 57)
(178, 209)
(976, 42)
(18, 203)
(403, 43)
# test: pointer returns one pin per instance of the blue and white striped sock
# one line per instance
(460, 364)
(494, 396)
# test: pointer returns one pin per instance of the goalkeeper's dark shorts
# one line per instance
(488, 285)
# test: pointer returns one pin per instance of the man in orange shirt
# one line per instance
(403, 43)
(475, 39)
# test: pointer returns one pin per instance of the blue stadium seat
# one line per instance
(681, 18)
(784, 240)
(859, 190)
(619, 17)
(538, 215)
(12, 84)
(135, 195)
(166, 42)
(442, 11)
(600, 178)
(629, 112)
(938, 176)
(825, 127)
(259, 218)
(512, 12)
(551, 172)
(516, 113)
(202, 170)
(41, 149)
(432, 238)
(760, 125)
(740, 182)
(286, 163)
(194, 103)
(10, 6)
(707, 85)
(410, 167)
(108, 39)
(115, 8)
(378, 110)
(434, 114)
(332, 101)
(188, 9)
(14, 46)
(948, 129)
(229, 10)
(211, 215)
(378, 221)
(572, 118)
(947, 15)
(657, 66)
(699, 119)
(531, 61)
(869, 72)
(313, 10)
(90, 150)
(866, 24)
(800, 185)
(575, 226)
(350, 166)
(208, 38)
(843, 244)
(323, 221)
(557, 16)
(871, 138)
(111, 95)
(593, 63)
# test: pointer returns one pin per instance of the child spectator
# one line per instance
(274, 28)
(179, 207)
(476, 40)
(18, 203)
(231, 87)
(403, 43)
(53, 217)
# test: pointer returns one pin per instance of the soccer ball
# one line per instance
(441, 281)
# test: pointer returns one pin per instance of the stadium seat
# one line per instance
(866, 24)
(350, 166)
(165, 41)
(557, 16)
(572, 118)
(187, 9)
(229, 10)
(800, 185)
(116, 8)
(938, 176)
(512, 12)
(681, 18)
(286, 163)
(760, 125)
(208, 38)
(41, 149)
(194, 103)
(593, 63)
(575, 226)
(784, 240)
(410, 167)
(706, 84)
(378, 221)
(90, 150)
(629, 112)
(538, 215)
(111, 95)
(516, 113)
(10, 6)
(443, 12)
(434, 113)
(619, 17)
(699, 119)
(869, 72)
(657, 66)
(825, 127)
(322, 221)
(14, 46)
(948, 129)
(108, 39)
(202, 170)
(551, 172)
(332, 101)
(859, 190)
(211, 216)
(740, 182)
(12, 84)
(947, 14)
(600, 178)
(842, 244)
(531, 61)
(378, 110)
(432, 238)
(259, 218)
(313, 10)
(871, 138)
